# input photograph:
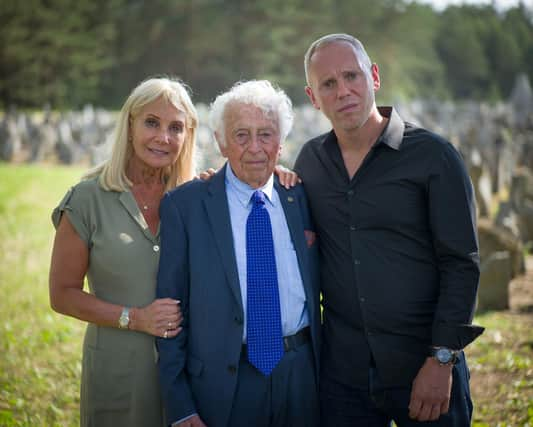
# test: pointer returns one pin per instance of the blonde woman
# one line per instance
(107, 230)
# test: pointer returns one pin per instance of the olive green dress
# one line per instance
(119, 384)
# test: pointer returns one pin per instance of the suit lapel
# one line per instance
(216, 205)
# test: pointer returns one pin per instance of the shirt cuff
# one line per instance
(175, 423)
(455, 336)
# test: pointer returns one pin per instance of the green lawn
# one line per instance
(501, 367)
(40, 350)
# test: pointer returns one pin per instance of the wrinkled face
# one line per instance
(339, 87)
(158, 133)
(252, 143)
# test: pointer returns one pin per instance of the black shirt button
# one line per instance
(352, 227)
(356, 262)
(362, 299)
(232, 369)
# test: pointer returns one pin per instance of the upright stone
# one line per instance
(493, 292)
(521, 199)
(522, 100)
(10, 141)
(502, 259)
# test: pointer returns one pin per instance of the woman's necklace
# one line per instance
(143, 204)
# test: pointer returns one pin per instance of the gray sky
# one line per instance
(500, 4)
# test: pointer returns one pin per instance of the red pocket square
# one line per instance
(310, 237)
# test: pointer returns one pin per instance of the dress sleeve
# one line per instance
(75, 206)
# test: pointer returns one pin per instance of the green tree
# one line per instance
(409, 63)
(54, 51)
(462, 52)
(518, 26)
(69, 52)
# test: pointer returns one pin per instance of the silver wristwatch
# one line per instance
(124, 319)
(444, 355)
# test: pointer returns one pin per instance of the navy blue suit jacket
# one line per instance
(198, 368)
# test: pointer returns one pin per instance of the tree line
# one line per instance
(67, 53)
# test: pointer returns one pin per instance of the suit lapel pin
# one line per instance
(290, 199)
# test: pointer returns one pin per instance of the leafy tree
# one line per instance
(54, 51)
(68, 52)
(518, 26)
(462, 52)
(483, 50)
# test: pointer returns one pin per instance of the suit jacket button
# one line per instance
(232, 369)
(238, 320)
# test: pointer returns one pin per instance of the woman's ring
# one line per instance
(165, 335)
(169, 325)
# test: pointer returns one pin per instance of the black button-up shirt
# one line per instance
(399, 253)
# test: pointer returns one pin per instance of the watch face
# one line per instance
(443, 355)
(123, 321)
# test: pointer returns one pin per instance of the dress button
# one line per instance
(156, 248)
(232, 369)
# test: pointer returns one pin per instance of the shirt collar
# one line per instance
(244, 192)
(392, 134)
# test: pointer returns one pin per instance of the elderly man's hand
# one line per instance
(430, 396)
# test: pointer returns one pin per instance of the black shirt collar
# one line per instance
(392, 134)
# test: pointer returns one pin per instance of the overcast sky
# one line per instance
(500, 4)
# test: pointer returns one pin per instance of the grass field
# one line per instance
(40, 350)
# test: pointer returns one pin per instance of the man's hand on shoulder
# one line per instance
(430, 395)
(287, 178)
(206, 175)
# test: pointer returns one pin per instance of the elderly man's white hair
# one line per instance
(260, 93)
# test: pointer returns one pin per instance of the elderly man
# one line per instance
(239, 253)
(395, 217)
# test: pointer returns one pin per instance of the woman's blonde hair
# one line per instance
(112, 173)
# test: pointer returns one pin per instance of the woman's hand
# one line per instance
(206, 175)
(161, 318)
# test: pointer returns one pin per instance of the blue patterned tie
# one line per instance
(264, 338)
